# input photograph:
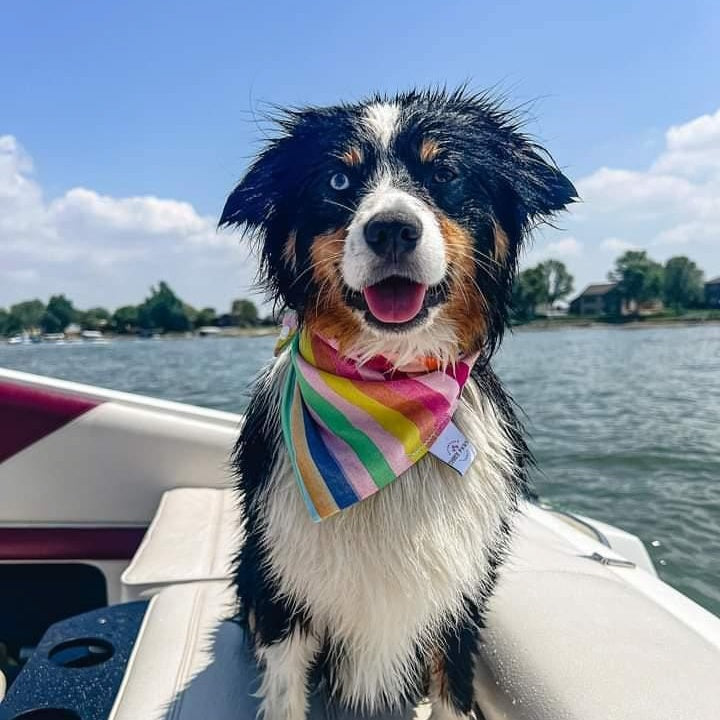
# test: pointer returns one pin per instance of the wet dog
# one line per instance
(392, 228)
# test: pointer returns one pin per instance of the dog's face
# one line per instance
(394, 225)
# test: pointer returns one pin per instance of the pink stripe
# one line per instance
(28, 414)
(385, 442)
(354, 470)
(329, 359)
(427, 393)
(460, 372)
(441, 383)
(65, 543)
(367, 373)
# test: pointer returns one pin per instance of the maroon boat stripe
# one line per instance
(28, 414)
(58, 543)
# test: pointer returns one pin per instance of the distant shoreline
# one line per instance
(537, 325)
(231, 332)
(560, 323)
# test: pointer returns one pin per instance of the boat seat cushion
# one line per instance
(192, 537)
(190, 663)
(570, 638)
(567, 638)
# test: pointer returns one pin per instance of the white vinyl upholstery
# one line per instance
(567, 639)
(571, 639)
(192, 538)
(190, 663)
(3, 685)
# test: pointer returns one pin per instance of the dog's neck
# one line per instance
(433, 346)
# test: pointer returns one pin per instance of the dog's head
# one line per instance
(394, 225)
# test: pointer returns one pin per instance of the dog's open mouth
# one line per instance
(396, 303)
(395, 299)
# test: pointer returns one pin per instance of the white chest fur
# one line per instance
(392, 571)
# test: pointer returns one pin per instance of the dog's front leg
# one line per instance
(443, 706)
(285, 665)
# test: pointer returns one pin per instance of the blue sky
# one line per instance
(124, 125)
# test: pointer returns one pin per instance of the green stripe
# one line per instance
(366, 450)
(285, 409)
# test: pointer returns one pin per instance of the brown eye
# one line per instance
(339, 181)
(444, 175)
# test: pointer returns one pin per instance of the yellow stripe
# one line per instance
(306, 348)
(391, 420)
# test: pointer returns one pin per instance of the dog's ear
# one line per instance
(258, 204)
(540, 186)
(252, 202)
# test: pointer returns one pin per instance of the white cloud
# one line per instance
(567, 247)
(692, 148)
(564, 248)
(105, 250)
(672, 207)
(617, 245)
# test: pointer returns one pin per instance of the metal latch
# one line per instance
(612, 562)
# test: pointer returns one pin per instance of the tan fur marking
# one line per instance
(466, 307)
(439, 677)
(327, 312)
(352, 156)
(288, 253)
(501, 244)
(429, 150)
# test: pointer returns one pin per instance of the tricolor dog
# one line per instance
(381, 462)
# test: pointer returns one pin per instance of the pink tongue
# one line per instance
(395, 300)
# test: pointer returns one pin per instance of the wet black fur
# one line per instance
(502, 178)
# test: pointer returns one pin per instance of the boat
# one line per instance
(54, 338)
(117, 530)
(209, 331)
(19, 339)
(94, 337)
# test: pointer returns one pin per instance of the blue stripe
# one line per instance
(329, 470)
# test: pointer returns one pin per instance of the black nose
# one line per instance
(392, 234)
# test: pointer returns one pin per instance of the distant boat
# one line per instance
(94, 336)
(22, 338)
(209, 331)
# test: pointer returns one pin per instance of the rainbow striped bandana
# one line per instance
(351, 429)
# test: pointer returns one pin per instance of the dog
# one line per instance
(392, 228)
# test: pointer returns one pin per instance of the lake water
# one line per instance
(624, 423)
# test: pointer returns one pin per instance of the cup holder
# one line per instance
(47, 714)
(80, 653)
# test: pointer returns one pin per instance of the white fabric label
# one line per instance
(454, 449)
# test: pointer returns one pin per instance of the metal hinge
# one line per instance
(612, 562)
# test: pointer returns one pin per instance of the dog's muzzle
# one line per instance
(393, 235)
(394, 261)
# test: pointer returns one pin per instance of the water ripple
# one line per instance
(625, 425)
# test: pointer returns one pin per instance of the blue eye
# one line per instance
(444, 175)
(339, 181)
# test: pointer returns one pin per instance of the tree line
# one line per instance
(679, 284)
(161, 311)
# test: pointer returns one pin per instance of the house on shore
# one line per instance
(597, 299)
(712, 293)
